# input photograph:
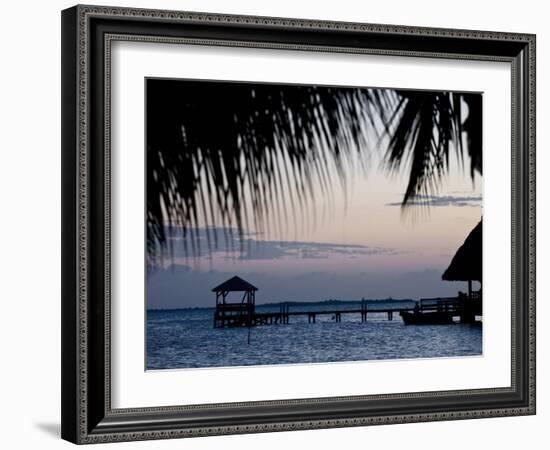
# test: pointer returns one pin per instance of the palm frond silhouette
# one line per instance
(225, 155)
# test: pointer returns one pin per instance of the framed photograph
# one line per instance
(279, 224)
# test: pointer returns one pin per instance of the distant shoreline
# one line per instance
(299, 303)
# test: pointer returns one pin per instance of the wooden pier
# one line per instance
(429, 311)
(425, 311)
(283, 315)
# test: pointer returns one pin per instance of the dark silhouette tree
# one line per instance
(224, 155)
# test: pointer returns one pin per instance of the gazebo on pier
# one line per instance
(234, 314)
(466, 266)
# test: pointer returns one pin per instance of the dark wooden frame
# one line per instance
(87, 32)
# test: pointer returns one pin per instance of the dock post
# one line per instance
(363, 310)
(390, 315)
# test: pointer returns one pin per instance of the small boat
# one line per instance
(426, 318)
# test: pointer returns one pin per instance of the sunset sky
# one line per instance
(359, 245)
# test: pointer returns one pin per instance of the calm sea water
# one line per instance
(186, 338)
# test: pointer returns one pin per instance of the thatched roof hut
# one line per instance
(466, 264)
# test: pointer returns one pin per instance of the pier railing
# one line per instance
(243, 314)
(237, 314)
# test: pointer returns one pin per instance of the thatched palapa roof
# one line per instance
(235, 284)
(466, 264)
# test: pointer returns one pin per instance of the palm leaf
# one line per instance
(231, 156)
(423, 129)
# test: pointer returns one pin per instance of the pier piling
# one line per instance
(363, 311)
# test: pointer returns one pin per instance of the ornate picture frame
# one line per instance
(88, 33)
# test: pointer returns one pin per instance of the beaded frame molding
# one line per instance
(87, 35)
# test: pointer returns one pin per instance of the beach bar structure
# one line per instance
(234, 314)
(466, 266)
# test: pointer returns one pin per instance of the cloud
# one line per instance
(250, 246)
(443, 200)
(255, 249)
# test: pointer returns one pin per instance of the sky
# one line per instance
(359, 243)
